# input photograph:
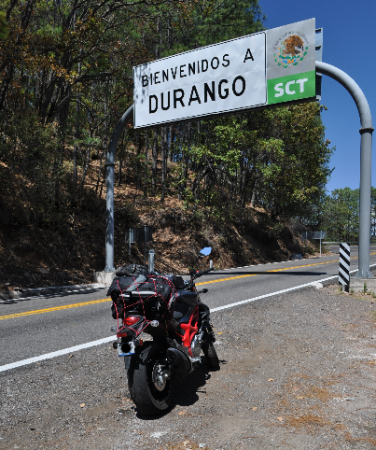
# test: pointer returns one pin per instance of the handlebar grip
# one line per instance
(206, 271)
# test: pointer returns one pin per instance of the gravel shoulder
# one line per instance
(297, 372)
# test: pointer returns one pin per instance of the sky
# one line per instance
(349, 44)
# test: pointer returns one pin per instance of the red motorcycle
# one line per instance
(162, 330)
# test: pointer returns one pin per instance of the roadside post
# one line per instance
(151, 261)
(344, 267)
(130, 237)
(320, 235)
(148, 236)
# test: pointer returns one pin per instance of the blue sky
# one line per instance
(350, 45)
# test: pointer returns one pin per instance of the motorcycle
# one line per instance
(162, 330)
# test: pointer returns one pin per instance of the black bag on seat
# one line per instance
(148, 293)
(132, 270)
(124, 283)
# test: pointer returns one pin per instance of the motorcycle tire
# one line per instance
(210, 355)
(150, 398)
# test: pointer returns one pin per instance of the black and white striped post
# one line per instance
(344, 266)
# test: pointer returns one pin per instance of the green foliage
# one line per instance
(341, 215)
(66, 79)
(3, 26)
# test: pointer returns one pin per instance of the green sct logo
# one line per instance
(288, 89)
(292, 87)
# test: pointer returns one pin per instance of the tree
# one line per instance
(66, 78)
(341, 215)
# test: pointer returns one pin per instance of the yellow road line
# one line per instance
(56, 308)
(276, 270)
(226, 279)
(298, 267)
(93, 302)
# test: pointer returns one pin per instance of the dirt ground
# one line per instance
(297, 372)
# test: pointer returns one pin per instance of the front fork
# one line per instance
(206, 333)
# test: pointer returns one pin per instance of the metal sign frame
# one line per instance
(366, 131)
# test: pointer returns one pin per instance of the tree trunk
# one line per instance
(196, 184)
(146, 165)
(105, 138)
(254, 195)
(154, 163)
(164, 163)
(171, 139)
(86, 167)
(77, 132)
(138, 162)
(186, 155)
(75, 147)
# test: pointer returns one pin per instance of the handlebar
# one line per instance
(199, 273)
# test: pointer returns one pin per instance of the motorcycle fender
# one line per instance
(140, 357)
(128, 361)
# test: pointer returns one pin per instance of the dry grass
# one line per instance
(353, 439)
(307, 421)
(319, 393)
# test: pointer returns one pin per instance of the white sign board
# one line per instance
(229, 76)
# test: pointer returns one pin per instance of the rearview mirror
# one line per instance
(205, 252)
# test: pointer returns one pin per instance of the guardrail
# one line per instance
(350, 243)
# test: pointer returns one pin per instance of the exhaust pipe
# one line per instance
(179, 361)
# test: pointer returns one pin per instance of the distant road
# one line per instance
(28, 330)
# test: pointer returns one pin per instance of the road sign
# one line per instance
(314, 235)
(291, 73)
(267, 68)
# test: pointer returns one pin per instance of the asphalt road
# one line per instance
(27, 330)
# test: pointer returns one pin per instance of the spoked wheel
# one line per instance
(150, 382)
(211, 355)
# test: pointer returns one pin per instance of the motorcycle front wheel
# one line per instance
(150, 387)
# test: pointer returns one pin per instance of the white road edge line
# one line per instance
(62, 352)
(76, 348)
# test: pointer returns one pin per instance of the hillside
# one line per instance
(66, 246)
(237, 182)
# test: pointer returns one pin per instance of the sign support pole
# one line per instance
(365, 162)
(365, 170)
(110, 183)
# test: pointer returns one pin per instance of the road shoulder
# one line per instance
(297, 371)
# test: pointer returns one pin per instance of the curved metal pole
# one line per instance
(365, 162)
(110, 182)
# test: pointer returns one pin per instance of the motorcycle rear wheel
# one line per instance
(210, 355)
(150, 397)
